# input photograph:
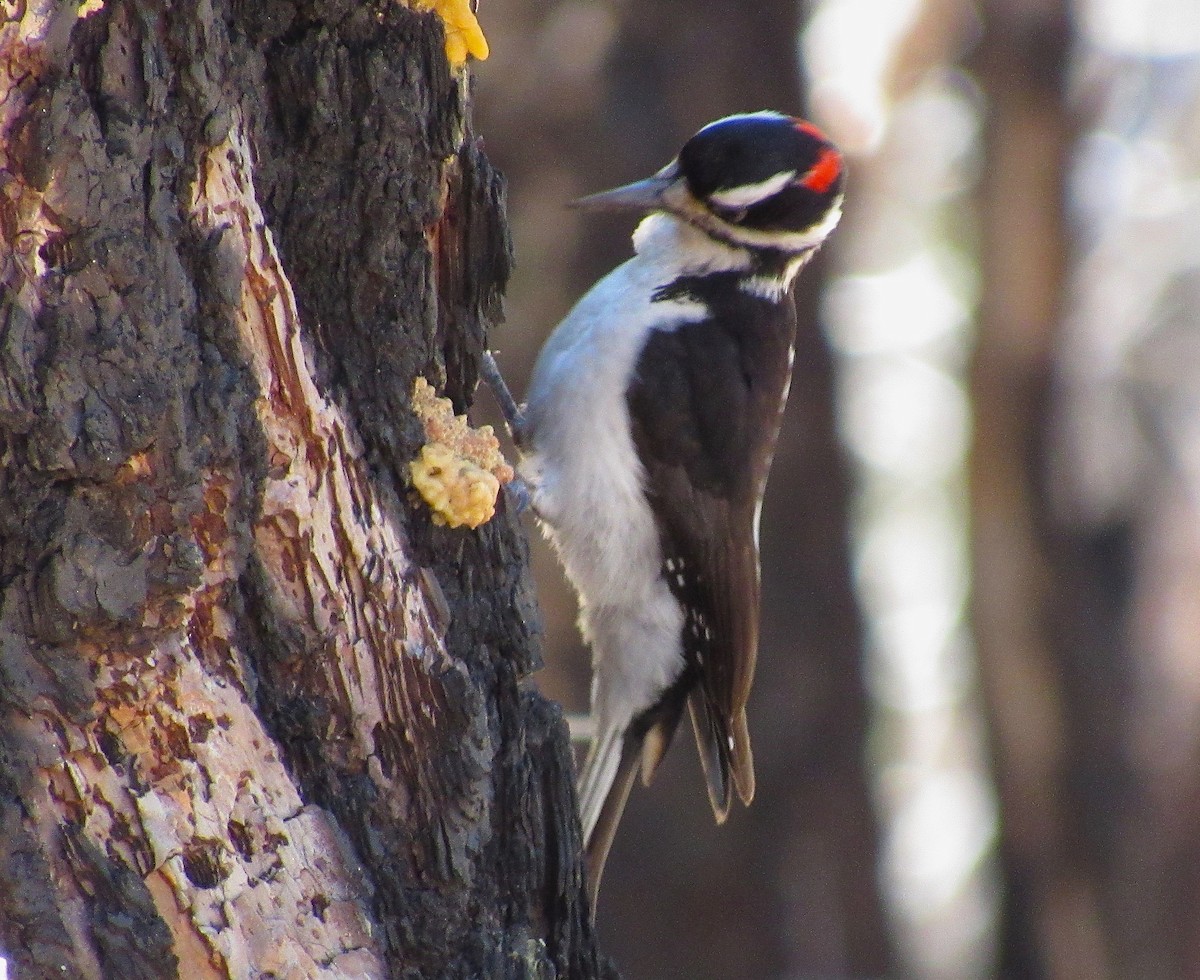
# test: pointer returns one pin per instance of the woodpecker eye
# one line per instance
(731, 216)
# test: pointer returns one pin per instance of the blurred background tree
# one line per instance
(981, 534)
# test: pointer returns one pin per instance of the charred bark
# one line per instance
(258, 716)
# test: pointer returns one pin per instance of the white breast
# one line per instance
(586, 477)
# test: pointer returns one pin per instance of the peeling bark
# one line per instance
(257, 715)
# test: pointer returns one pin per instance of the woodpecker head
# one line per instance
(761, 181)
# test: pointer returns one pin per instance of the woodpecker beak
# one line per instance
(641, 196)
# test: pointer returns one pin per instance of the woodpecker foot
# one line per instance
(513, 416)
(520, 494)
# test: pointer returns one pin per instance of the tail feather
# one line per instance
(724, 754)
(604, 784)
(742, 762)
(617, 755)
(596, 776)
(714, 753)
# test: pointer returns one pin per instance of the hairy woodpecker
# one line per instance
(647, 435)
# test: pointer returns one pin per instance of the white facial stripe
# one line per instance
(679, 201)
(796, 241)
(748, 194)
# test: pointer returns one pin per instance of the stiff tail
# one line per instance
(724, 754)
(604, 784)
(617, 756)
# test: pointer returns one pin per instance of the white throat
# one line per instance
(679, 248)
(671, 241)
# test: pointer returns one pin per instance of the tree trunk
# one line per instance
(258, 715)
(1038, 692)
(1095, 697)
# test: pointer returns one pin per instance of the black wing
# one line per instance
(705, 404)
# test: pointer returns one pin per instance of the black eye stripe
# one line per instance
(792, 209)
(734, 216)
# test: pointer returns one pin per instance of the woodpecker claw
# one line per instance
(520, 494)
(514, 418)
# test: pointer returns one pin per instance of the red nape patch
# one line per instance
(824, 172)
(806, 127)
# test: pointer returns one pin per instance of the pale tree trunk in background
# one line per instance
(1050, 925)
(1050, 693)
(1123, 493)
(1085, 499)
(788, 887)
(257, 715)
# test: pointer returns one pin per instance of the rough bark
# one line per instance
(258, 716)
